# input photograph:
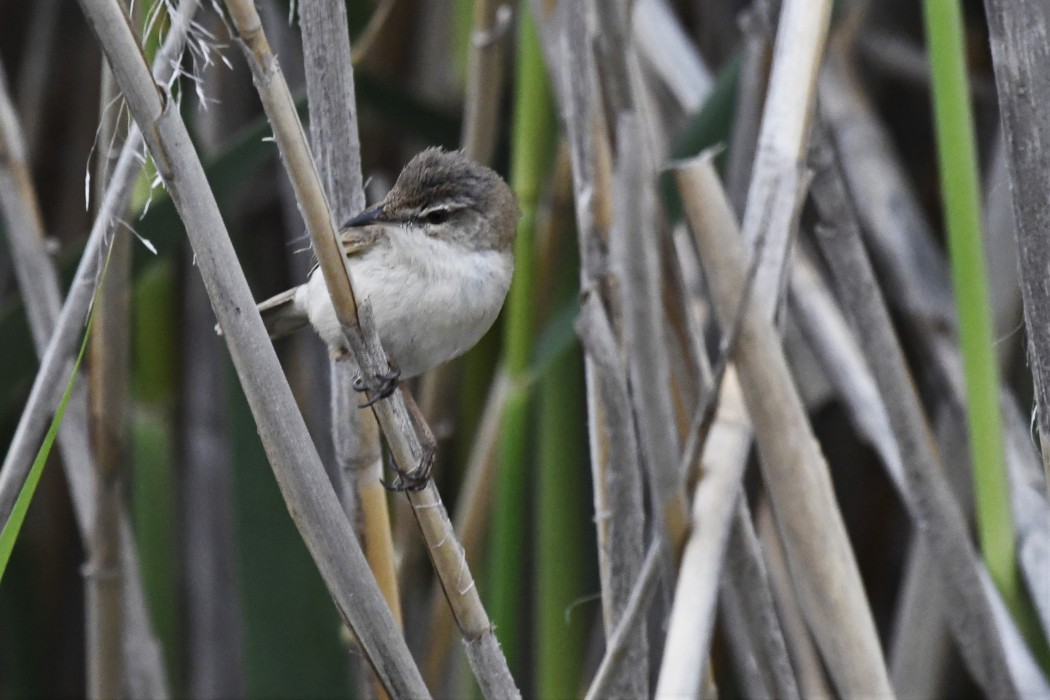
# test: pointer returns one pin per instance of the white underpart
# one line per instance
(431, 301)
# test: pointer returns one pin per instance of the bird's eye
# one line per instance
(437, 216)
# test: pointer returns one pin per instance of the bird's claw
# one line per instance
(381, 386)
(415, 480)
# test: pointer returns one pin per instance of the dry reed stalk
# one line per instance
(839, 353)
(890, 214)
(739, 638)
(925, 491)
(756, 24)
(773, 199)
(608, 27)
(634, 249)
(999, 227)
(335, 143)
(109, 379)
(715, 497)
(488, 663)
(635, 269)
(905, 251)
(749, 588)
(812, 681)
(734, 436)
(486, 73)
(664, 46)
(776, 179)
(616, 472)
(690, 366)
(213, 620)
(822, 563)
(481, 109)
(372, 508)
(55, 336)
(722, 420)
(1021, 57)
(921, 646)
(485, 77)
(618, 643)
(32, 80)
(473, 509)
(309, 495)
(820, 321)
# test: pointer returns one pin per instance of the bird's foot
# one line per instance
(415, 480)
(380, 387)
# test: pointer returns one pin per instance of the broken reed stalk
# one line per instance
(634, 256)
(776, 177)
(336, 147)
(619, 516)
(691, 621)
(851, 649)
(796, 475)
(626, 259)
(488, 663)
(1020, 57)
(733, 438)
(718, 509)
(660, 361)
(311, 501)
(109, 383)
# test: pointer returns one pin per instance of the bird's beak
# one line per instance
(368, 216)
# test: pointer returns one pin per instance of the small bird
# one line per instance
(434, 259)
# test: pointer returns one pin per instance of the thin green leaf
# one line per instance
(14, 523)
(960, 191)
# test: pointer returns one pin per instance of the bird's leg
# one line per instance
(380, 387)
(416, 480)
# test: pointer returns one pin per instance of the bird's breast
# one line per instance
(431, 299)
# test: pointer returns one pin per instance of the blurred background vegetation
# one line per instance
(538, 572)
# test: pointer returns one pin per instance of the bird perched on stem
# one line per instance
(434, 259)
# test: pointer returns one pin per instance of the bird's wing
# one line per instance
(356, 241)
(280, 315)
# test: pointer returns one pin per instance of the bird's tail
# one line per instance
(281, 316)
